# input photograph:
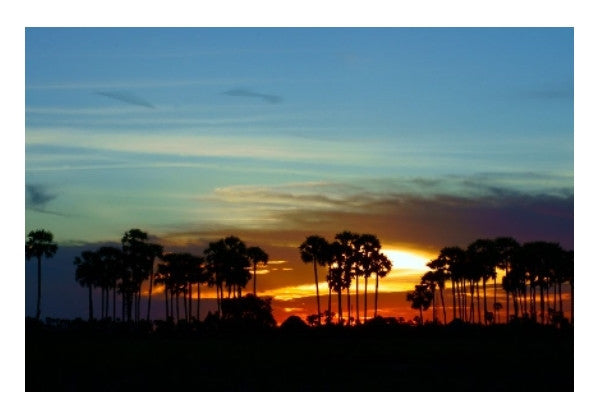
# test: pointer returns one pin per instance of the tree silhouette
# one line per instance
(39, 244)
(257, 255)
(348, 260)
(420, 299)
(381, 267)
(139, 256)
(227, 263)
(569, 271)
(367, 247)
(315, 249)
(176, 271)
(505, 248)
(433, 279)
(451, 262)
(483, 258)
(87, 274)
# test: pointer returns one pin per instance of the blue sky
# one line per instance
(178, 130)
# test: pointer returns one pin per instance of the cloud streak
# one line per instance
(126, 97)
(270, 98)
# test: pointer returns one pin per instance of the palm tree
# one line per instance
(505, 247)
(367, 247)
(381, 267)
(433, 279)
(451, 261)
(483, 257)
(315, 249)
(154, 251)
(570, 264)
(257, 255)
(420, 298)
(39, 243)
(88, 274)
(349, 262)
(228, 264)
(112, 269)
(139, 258)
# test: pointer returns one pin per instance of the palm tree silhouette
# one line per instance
(39, 243)
(505, 248)
(420, 298)
(139, 256)
(367, 247)
(315, 249)
(433, 279)
(483, 258)
(451, 262)
(349, 261)
(227, 262)
(381, 267)
(176, 271)
(112, 270)
(257, 255)
(87, 274)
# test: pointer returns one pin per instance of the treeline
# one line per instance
(226, 265)
(349, 257)
(532, 278)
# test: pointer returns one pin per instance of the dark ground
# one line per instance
(102, 357)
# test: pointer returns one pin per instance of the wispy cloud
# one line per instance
(270, 98)
(440, 212)
(37, 196)
(126, 97)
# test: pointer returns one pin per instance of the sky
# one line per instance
(426, 137)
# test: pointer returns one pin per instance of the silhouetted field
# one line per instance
(77, 356)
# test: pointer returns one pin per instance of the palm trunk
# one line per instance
(39, 288)
(149, 299)
(443, 304)
(254, 281)
(365, 301)
(494, 307)
(339, 306)
(560, 302)
(572, 304)
(478, 307)
(185, 304)
(198, 302)
(166, 303)
(453, 300)
(317, 289)
(357, 309)
(376, 293)
(329, 316)
(472, 307)
(433, 313)
(485, 309)
(114, 317)
(190, 300)
(90, 303)
(349, 305)
(177, 304)
(542, 303)
(101, 303)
